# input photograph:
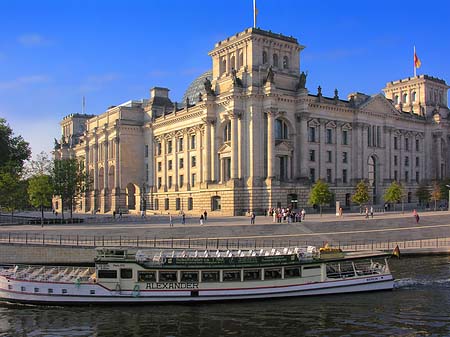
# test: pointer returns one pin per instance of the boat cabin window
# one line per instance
(64, 291)
(189, 276)
(252, 275)
(107, 274)
(291, 272)
(126, 273)
(210, 276)
(50, 290)
(36, 290)
(167, 276)
(147, 276)
(22, 289)
(231, 275)
(272, 274)
(92, 292)
(311, 271)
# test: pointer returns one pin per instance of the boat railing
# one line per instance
(50, 273)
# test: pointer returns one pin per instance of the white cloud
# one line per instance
(32, 40)
(23, 81)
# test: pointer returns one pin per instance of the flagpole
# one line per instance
(414, 61)
(254, 13)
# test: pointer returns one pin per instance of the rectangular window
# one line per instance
(159, 182)
(64, 291)
(159, 166)
(190, 203)
(146, 172)
(395, 175)
(369, 136)
(312, 155)
(147, 276)
(50, 290)
(395, 160)
(156, 204)
(417, 177)
(193, 161)
(166, 204)
(417, 145)
(406, 161)
(169, 182)
(252, 274)
(167, 276)
(146, 151)
(159, 148)
(272, 274)
(181, 180)
(231, 276)
(193, 180)
(107, 274)
(329, 177)
(395, 143)
(177, 204)
(169, 165)
(36, 290)
(344, 157)
(406, 176)
(193, 142)
(417, 162)
(23, 289)
(345, 137)
(291, 272)
(378, 136)
(210, 276)
(329, 136)
(329, 156)
(312, 175)
(406, 144)
(344, 176)
(311, 134)
(126, 273)
(169, 146)
(189, 276)
(180, 144)
(181, 163)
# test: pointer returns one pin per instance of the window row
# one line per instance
(406, 143)
(329, 136)
(180, 164)
(406, 176)
(49, 291)
(406, 163)
(180, 181)
(179, 144)
(275, 60)
(329, 156)
(329, 175)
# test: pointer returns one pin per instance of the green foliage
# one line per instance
(69, 181)
(40, 192)
(14, 150)
(320, 194)
(13, 192)
(444, 189)
(436, 194)
(394, 193)
(361, 195)
(423, 193)
(41, 165)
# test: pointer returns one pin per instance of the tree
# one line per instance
(14, 150)
(361, 195)
(394, 193)
(320, 194)
(40, 192)
(70, 181)
(423, 193)
(13, 192)
(41, 165)
(436, 194)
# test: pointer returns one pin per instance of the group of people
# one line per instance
(369, 211)
(280, 215)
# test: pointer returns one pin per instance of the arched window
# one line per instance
(405, 98)
(281, 129)
(396, 99)
(264, 56)
(275, 60)
(223, 66)
(285, 62)
(371, 170)
(227, 132)
(241, 59)
(413, 96)
(232, 62)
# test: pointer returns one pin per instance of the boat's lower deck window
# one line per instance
(231, 275)
(50, 290)
(23, 289)
(189, 276)
(252, 274)
(272, 274)
(36, 290)
(64, 291)
(92, 292)
(210, 276)
(167, 276)
(107, 274)
(291, 272)
(126, 273)
(147, 276)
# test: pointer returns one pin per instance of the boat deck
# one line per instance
(51, 274)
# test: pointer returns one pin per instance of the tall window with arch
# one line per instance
(264, 57)
(232, 62)
(275, 60)
(281, 129)
(285, 62)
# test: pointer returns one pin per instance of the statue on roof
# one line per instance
(270, 76)
(302, 82)
(236, 80)
(208, 87)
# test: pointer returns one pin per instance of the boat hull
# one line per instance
(84, 294)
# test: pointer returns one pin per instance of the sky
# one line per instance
(52, 52)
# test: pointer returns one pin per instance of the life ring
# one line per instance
(136, 290)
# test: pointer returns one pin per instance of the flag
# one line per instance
(396, 252)
(417, 62)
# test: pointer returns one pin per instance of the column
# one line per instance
(105, 165)
(213, 154)
(199, 165)
(163, 164)
(270, 144)
(207, 152)
(234, 145)
(117, 163)
(186, 160)
(95, 160)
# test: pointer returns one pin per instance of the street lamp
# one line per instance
(448, 203)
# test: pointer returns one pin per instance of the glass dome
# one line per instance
(196, 87)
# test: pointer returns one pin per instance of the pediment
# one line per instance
(224, 148)
(379, 103)
(283, 146)
(313, 123)
(347, 126)
(331, 125)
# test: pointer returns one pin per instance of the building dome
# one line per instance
(196, 87)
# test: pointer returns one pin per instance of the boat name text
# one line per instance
(169, 285)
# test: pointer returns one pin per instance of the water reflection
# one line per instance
(418, 306)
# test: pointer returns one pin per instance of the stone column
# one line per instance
(199, 156)
(117, 163)
(234, 145)
(213, 156)
(95, 162)
(207, 152)
(163, 164)
(186, 161)
(270, 144)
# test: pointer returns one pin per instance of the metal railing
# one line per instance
(90, 241)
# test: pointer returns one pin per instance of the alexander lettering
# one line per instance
(171, 285)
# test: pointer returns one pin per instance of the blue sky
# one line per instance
(54, 52)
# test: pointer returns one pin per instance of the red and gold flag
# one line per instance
(417, 62)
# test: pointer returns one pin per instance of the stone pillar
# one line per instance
(234, 145)
(95, 162)
(207, 152)
(164, 164)
(186, 161)
(213, 156)
(117, 163)
(199, 165)
(270, 144)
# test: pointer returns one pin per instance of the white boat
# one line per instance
(147, 276)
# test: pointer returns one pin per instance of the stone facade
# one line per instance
(255, 137)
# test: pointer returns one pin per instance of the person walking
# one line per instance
(252, 218)
(205, 215)
(201, 219)
(303, 214)
(371, 211)
(170, 220)
(183, 218)
(416, 216)
(367, 212)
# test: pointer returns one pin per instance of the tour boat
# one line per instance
(125, 275)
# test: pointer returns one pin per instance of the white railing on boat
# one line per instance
(50, 273)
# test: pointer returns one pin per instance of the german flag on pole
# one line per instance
(417, 62)
(396, 252)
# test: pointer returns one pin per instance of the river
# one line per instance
(418, 306)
